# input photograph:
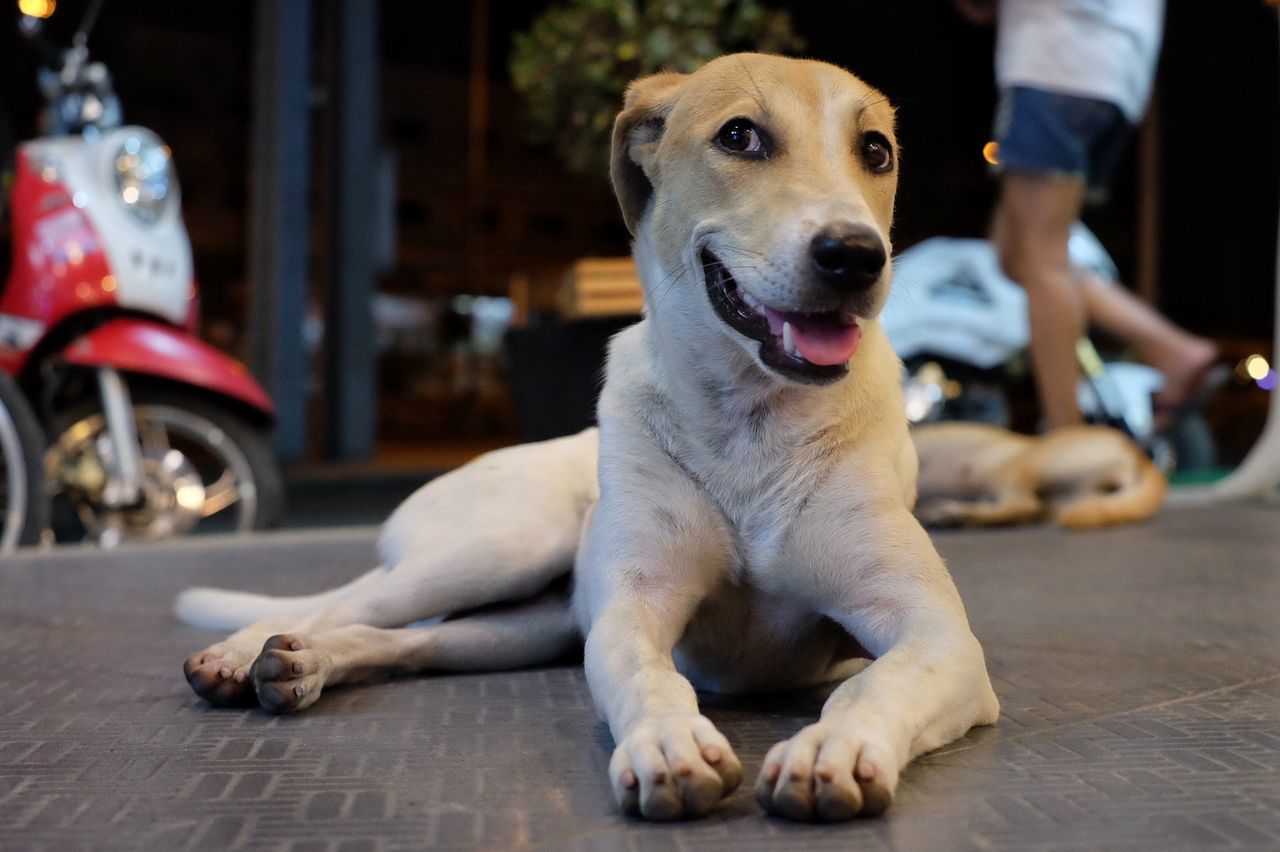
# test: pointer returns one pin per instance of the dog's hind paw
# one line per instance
(220, 675)
(673, 767)
(824, 774)
(289, 674)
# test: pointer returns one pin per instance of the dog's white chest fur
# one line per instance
(750, 461)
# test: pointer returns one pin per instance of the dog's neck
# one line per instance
(717, 390)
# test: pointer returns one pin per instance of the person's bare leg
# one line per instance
(1180, 356)
(1031, 228)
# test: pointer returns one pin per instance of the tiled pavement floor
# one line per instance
(1139, 671)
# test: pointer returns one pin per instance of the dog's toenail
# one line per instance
(241, 675)
(684, 769)
(295, 646)
(659, 777)
(298, 690)
(629, 778)
(825, 773)
(797, 774)
(772, 771)
(224, 672)
(711, 754)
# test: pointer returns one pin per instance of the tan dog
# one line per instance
(1082, 477)
(742, 519)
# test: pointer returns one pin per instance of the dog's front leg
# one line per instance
(670, 761)
(641, 577)
(927, 686)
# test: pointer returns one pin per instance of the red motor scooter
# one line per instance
(152, 433)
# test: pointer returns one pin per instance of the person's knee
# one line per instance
(1033, 226)
(1033, 259)
(1019, 258)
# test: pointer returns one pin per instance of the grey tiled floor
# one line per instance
(1139, 671)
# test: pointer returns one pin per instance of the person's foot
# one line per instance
(1189, 378)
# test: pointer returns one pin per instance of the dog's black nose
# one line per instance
(848, 257)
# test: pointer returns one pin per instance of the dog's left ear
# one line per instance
(636, 133)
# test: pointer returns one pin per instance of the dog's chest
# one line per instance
(764, 564)
(746, 639)
(761, 500)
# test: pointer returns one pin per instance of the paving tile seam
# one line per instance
(1058, 727)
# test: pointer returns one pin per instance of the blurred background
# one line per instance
(385, 199)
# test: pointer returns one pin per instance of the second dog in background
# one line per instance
(1082, 477)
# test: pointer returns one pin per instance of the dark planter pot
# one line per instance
(556, 370)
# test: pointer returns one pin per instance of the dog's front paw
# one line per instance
(289, 674)
(828, 774)
(673, 767)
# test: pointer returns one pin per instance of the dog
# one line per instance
(1082, 477)
(741, 521)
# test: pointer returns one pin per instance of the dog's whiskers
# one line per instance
(664, 286)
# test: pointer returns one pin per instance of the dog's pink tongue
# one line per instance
(826, 343)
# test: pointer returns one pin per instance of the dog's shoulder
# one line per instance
(632, 392)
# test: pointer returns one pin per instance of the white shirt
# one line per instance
(1102, 49)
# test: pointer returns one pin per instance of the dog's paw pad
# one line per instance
(673, 767)
(288, 675)
(827, 775)
(220, 675)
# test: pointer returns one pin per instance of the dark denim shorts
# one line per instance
(1049, 133)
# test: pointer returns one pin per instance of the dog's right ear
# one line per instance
(636, 133)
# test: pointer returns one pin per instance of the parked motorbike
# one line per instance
(960, 326)
(152, 433)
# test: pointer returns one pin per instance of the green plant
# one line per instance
(575, 61)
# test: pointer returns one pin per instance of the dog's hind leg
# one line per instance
(502, 528)
(221, 609)
(293, 668)
(455, 577)
(220, 673)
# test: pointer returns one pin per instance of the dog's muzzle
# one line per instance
(848, 258)
(812, 347)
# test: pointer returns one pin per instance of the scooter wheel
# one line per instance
(24, 500)
(205, 468)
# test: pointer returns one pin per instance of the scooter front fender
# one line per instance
(140, 346)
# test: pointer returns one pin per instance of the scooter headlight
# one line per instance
(144, 177)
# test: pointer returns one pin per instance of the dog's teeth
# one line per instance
(751, 300)
(788, 340)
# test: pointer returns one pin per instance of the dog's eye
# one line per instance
(740, 136)
(877, 153)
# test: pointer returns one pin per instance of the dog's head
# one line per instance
(761, 188)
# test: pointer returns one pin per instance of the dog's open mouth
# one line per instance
(812, 347)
